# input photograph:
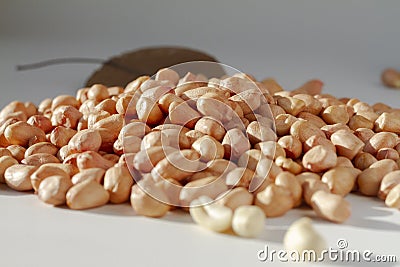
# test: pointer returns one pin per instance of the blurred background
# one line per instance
(344, 43)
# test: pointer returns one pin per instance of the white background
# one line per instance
(344, 43)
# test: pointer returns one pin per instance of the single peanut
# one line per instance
(319, 158)
(42, 147)
(379, 141)
(389, 181)
(86, 140)
(335, 114)
(60, 136)
(347, 144)
(236, 198)
(53, 190)
(235, 143)
(370, 179)
(248, 221)
(18, 177)
(208, 148)
(5, 163)
(288, 165)
(44, 171)
(289, 181)
(393, 198)
(118, 182)
(275, 200)
(91, 159)
(388, 122)
(363, 160)
(210, 126)
(303, 130)
(330, 206)
(86, 195)
(292, 146)
(387, 153)
(153, 205)
(312, 185)
(40, 159)
(209, 215)
(341, 180)
(391, 78)
(301, 236)
(95, 174)
(21, 133)
(179, 165)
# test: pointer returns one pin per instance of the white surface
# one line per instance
(344, 43)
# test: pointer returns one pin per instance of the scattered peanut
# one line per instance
(302, 236)
(211, 216)
(330, 206)
(393, 198)
(248, 221)
(391, 78)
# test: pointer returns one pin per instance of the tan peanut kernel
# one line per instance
(330, 206)
(210, 126)
(302, 177)
(274, 200)
(86, 140)
(289, 181)
(379, 141)
(86, 195)
(21, 133)
(17, 177)
(118, 182)
(288, 165)
(303, 130)
(393, 198)
(95, 174)
(341, 180)
(210, 186)
(44, 171)
(208, 148)
(370, 179)
(301, 236)
(363, 160)
(147, 205)
(5, 163)
(347, 144)
(292, 146)
(236, 198)
(248, 221)
(319, 158)
(389, 181)
(209, 215)
(344, 162)
(53, 190)
(312, 185)
(335, 114)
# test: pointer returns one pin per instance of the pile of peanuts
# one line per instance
(229, 150)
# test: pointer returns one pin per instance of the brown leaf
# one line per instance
(122, 69)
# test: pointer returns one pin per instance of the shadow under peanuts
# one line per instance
(363, 217)
(118, 210)
(6, 191)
